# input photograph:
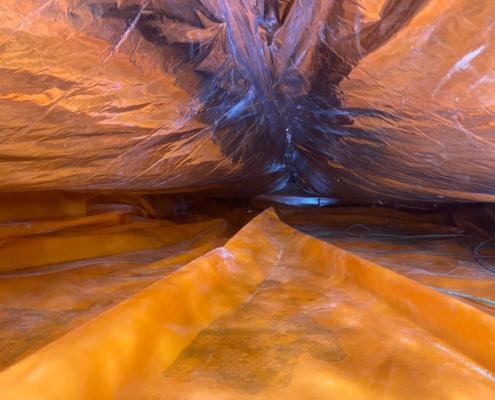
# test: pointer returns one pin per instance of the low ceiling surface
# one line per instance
(352, 99)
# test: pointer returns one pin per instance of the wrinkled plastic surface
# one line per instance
(353, 100)
(80, 259)
(110, 304)
(359, 100)
(427, 248)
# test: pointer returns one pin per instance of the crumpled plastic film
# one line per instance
(140, 141)
(66, 268)
(273, 313)
(359, 100)
(421, 103)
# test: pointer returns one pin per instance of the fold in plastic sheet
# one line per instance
(428, 248)
(366, 99)
(273, 313)
(65, 261)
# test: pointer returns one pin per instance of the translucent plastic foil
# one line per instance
(353, 99)
(123, 306)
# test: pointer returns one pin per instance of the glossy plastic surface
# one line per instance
(271, 313)
(353, 99)
(61, 271)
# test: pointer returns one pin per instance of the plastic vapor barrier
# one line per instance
(158, 310)
(193, 192)
(361, 99)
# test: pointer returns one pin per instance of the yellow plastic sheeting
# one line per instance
(272, 314)
(34, 205)
(417, 246)
(60, 272)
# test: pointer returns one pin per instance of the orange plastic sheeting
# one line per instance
(131, 95)
(58, 273)
(417, 246)
(272, 314)
(34, 205)
(101, 93)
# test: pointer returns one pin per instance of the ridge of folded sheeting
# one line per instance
(273, 313)
(62, 270)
